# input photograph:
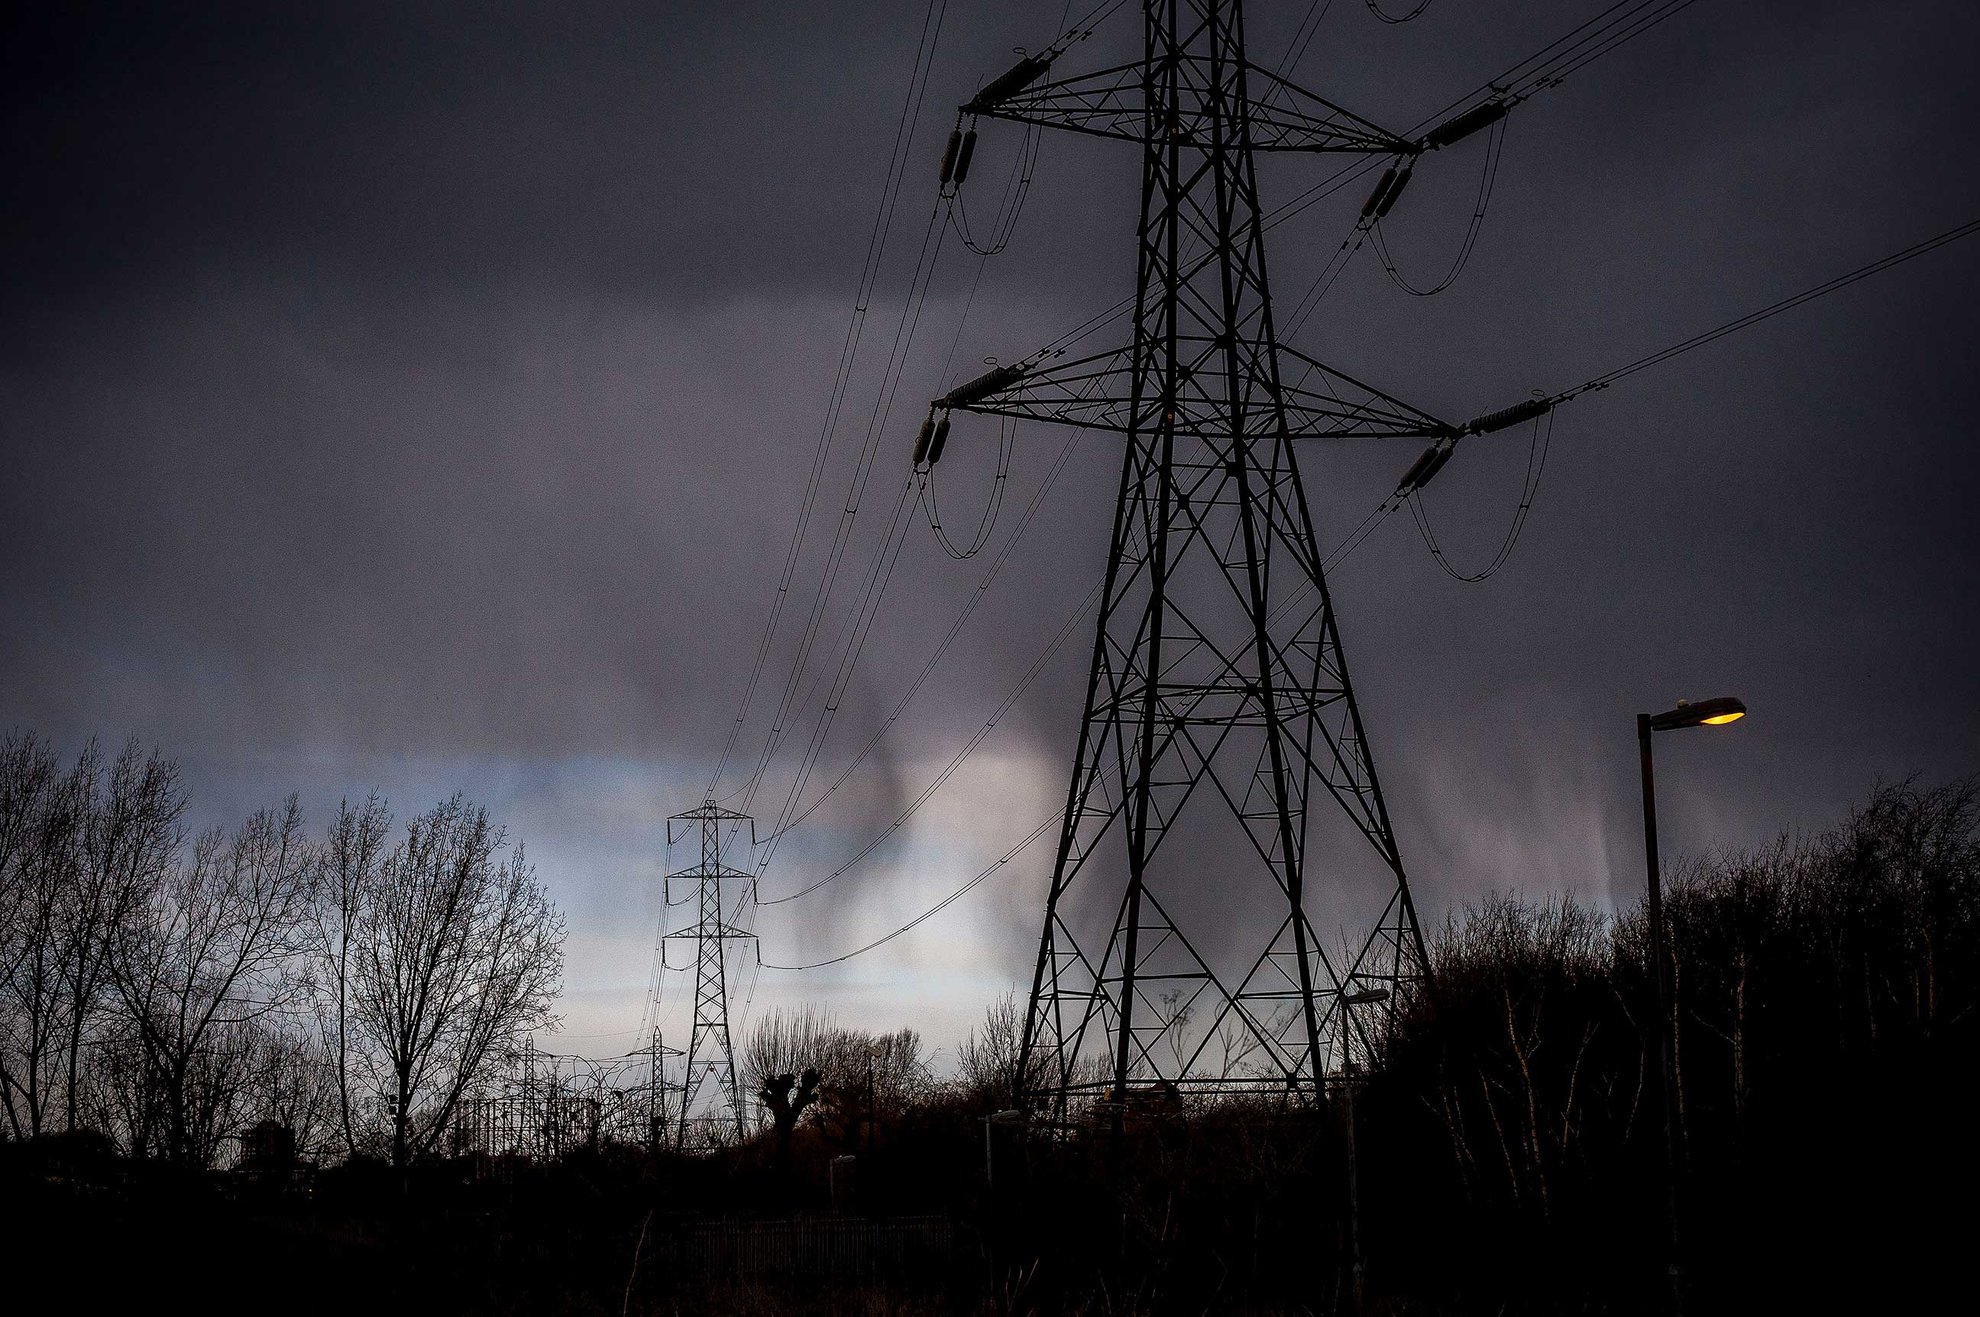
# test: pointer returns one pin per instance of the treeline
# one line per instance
(1508, 1146)
(1825, 1012)
(847, 1082)
(1502, 1153)
(166, 989)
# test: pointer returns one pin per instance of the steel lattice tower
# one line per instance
(1217, 659)
(710, 1054)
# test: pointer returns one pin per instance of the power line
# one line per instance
(1582, 53)
(969, 748)
(1579, 46)
(949, 637)
(1542, 439)
(934, 910)
(858, 628)
(1842, 281)
(1011, 698)
(862, 471)
(904, 129)
(1354, 540)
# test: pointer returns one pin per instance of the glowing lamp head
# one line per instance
(1705, 713)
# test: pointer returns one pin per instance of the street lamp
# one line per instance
(1705, 713)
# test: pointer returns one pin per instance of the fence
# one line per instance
(840, 1248)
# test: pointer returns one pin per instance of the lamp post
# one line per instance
(1706, 713)
(1364, 997)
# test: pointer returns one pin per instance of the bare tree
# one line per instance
(867, 1078)
(76, 851)
(292, 1080)
(129, 837)
(37, 842)
(451, 957)
(851, 1077)
(28, 779)
(119, 1095)
(202, 958)
(780, 1063)
(991, 1064)
(782, 1042)
(351, 856)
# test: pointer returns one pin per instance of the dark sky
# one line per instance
(421, 397)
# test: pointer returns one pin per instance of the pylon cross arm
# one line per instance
(719, 871)
(1097, 392)
(708, 932)
(1111, 103)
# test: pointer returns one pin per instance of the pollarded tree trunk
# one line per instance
(787, 1096)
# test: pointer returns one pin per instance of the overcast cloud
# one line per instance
(421, 396)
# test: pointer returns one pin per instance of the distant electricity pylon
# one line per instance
(1178, 945)
(710, 1054)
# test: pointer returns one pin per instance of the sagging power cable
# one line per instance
(1009, 208)
(1487, 178)
(1376, 9)
(925, 495)
(937, 908)
(1536, 465)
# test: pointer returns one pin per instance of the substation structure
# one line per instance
(543, 1106)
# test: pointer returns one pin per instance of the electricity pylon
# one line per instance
(710, 1054)
(1217, 657)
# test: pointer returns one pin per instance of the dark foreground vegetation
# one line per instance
(1507, 1145)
